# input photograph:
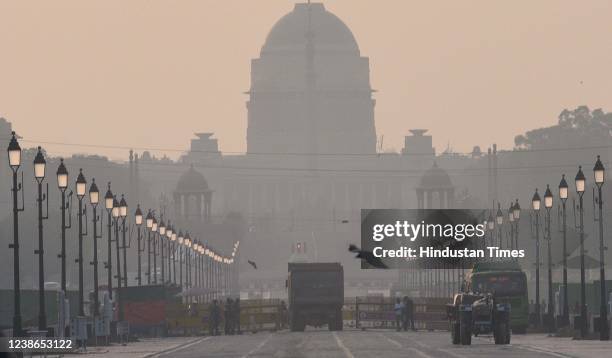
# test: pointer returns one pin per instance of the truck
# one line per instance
(316, 295)
(508, 282)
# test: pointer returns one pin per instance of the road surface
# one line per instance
(382, 344)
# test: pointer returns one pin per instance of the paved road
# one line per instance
(382, 344)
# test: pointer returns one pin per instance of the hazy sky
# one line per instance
(148, 73)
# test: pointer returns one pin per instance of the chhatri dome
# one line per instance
(310, 88)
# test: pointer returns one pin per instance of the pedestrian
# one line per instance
(237, 316)
(405, 313)
(284, 315)
(228, 316)
(398, 308)
(213, 322)
(409, 313)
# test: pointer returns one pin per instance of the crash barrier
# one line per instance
(378, 312)
(255, 315)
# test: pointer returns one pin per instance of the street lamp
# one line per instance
(39, 173)
(109, 200)
(500, 221)
(116, 215)
(604, 333)
(173, 243)
(162, 234)
(517, 217)
(14, 156)
(168, 244)
(563, 194)
(154, 229)
(511, 223)
(548, 203)
(62, 183)
(180, 251)
(535, 204)
(580, 182)
(138, 222)
(94, 199)
(149, 224)
(81, 183)
(123, 213)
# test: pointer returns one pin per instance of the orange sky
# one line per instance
(154, 72)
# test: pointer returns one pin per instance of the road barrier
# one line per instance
(377, 312)
(255, 315)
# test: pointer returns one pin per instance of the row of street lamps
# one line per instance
(210, 266)
(580, 184)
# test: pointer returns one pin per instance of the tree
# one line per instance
(578, 128)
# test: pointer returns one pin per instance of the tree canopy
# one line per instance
(580, 127)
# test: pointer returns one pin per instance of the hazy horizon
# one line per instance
(137, 68)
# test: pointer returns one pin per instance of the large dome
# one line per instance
(435, 178)
(192, 181)
(328, 31)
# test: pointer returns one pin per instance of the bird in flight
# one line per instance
(367, 256)
(252, 263)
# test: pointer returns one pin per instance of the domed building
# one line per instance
(435, 190)
(192, 197)
(310, 88)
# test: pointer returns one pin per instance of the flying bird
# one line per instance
(252, 264)
(367, 256)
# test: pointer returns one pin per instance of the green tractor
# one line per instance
(478, 314)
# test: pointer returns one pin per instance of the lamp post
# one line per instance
(604, 333)
(81, 183)
(109, 201)
(491, 227)
(517, 217)
(39, 174)
(94, 198)
(500, 220)
(62, 183)
(548, 203)
(168, 243)
(535, 204)
(14, 156)
(510, 240)
(180, 252)
(123, 213)
(115, 213)
(173, 239)
(162, 234)
(149, 224)
(580, 181)
(138, 222)
(154, 229)
(563, 194)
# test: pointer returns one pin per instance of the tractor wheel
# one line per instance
(465, 332)
(501, 333)
(455, 335)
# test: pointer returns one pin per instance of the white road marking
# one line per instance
(392, 341)
(417, 351)
(179, 348)
(451, 353)
(259, 346)
(541, 350)
(346, 351)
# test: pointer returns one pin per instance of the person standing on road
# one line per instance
(237, 316)
(408, 314)
(214, 319)
(228, 316)
(398, 309)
